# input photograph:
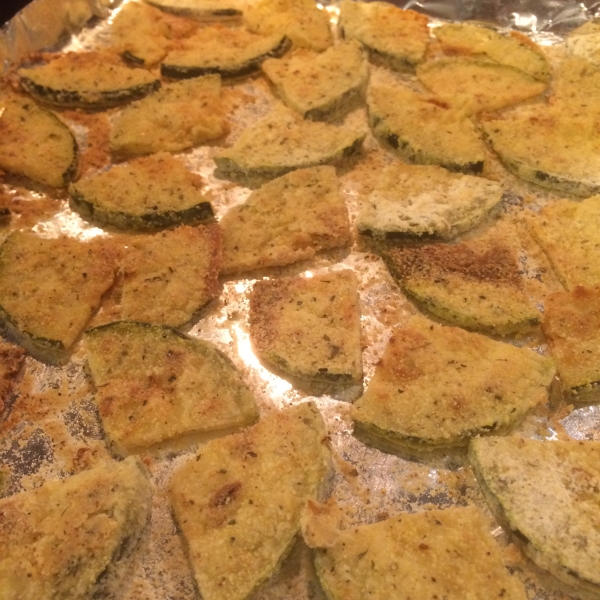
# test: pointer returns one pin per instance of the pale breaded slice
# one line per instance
(169, 276)
(239, 503)
(86, 80)
(393, 37)
(153, 192)
(552, 145)
(412, 201)
(321, 86)
(203, 10)
(144, 34)
(548, 493)
(11, 361)
(287, 220)
(282, 142)
(475, 85)
(230, 52)
(49, 288)
(421, 129)
(59, 541)
(512, 49)
(179, 116)
(576, 81)
(568, 232)
(156, 384)
(584, 41)
(302, 21)
(447, 554)
(439, 386)
(309, 326)
(36, 143)
(475, 284)
(571, 325)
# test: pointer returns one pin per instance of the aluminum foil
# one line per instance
(52, 429)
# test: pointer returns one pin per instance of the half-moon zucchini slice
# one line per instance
(156, 384)
(437, 387)
(86, 80)
(513, 49)
(394, 37)
(229, 52)
(422, 129)
(62, 539)
(548, 493)
(180, 115)
(36, 143)
(153, 192)
(282, 142)
(49, 289)
(321, 86)
(552, 145)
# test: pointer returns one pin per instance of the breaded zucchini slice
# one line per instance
(548, 493)
(86, 80)
(309, 326)
(568, 233)
(417, 201)
(238, 504)
(282, 142)
(35, 143)
(230, 52)
(287, 220)
(572, 328)
(552, 145)
(446, 554)
(170, 276)
(144, 34)
(393, 37)
(60, 540)
(423, 130)
(302, 21)
(512, 49)
(49, 288)
(177, 117)
(437, 386)
(11, 361)
(155, 384)
(202, 10)
(584, 41)
(475, 85)
(320, 86)
(153, 192)
(475, 284)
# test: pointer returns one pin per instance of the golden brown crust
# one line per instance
(155, 384)
(438, 386)
(239, 502)
(309, 326)
(171, 275)
(11, 361)
(475, 284)
(285, 221)
(571, 325)
(49, 288)
(446, 554)
(59, 539)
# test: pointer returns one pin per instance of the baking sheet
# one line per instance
(51, 428)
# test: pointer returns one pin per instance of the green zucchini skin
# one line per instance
(242, 70)
(95, 100)
(231, 169)
(406, 151)
(201, 212)
(203, 15)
